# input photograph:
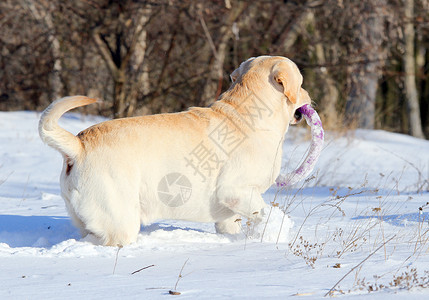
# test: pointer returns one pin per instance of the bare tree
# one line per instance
(146, 57)
(365, 71)
(218, 46)
(326, 85)
(413, 106)
(25, 60)
(42, 11)
(121, 42)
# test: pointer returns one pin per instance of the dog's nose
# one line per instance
(297, 115)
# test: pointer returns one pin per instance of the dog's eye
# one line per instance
(279, 81)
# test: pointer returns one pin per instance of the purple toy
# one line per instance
(316, 146)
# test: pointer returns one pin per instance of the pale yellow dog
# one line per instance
(205, 164)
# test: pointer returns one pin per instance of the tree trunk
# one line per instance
(366, 69)
(117, 71)
(213, 85)
(140, 85)
(130, 76)
(289, 39)
(413, 107)
(42, 14)
(119, 97)
(329, 98)
(360, 106)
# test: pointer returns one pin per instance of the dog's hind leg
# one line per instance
(117, 226)
(111, 214)
(116, 231)
(77, 222)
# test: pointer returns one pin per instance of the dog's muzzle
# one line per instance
(297, 115)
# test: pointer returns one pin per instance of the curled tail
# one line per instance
(55, 136)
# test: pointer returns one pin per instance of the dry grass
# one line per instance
(365, 232)
(407, 280)
(180, 276)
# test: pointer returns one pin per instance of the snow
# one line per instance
(365, 190)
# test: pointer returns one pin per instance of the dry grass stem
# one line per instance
(330, 292)
(116, 258)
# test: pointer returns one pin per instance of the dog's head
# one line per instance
(275, 79)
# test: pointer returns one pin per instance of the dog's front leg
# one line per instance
(231, 225)
(267, 223)
(244, 201)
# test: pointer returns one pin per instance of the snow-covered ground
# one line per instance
(360, 221)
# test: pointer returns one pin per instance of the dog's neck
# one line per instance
(247, 107)
(228, 109)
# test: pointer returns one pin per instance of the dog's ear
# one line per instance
(285, 76)
(234, 75)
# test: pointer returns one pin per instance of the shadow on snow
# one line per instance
(401, 220)
(46, 231)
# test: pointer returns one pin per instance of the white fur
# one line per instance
(112, 171)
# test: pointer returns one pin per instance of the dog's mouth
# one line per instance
(297, 116)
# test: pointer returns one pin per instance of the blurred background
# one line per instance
(365, 62)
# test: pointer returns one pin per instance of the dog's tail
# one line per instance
(55, 136)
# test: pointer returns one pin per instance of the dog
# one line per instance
(206, 164)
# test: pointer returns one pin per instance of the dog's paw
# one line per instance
(273, 226)
(90, 238)
(230, 226)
